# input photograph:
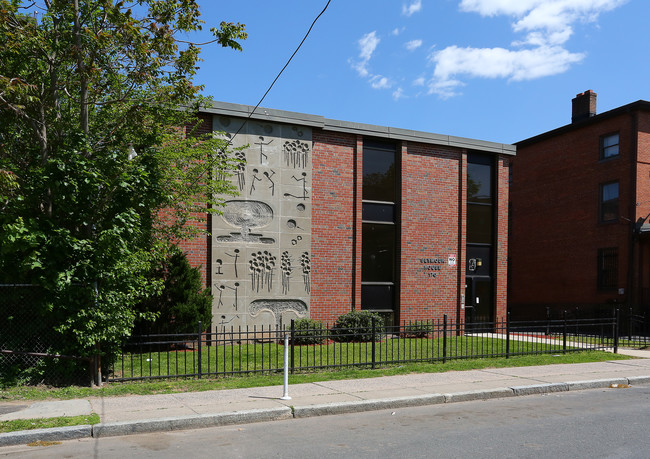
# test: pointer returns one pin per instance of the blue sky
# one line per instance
(498, 70)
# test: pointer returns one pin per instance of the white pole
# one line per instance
(286, 368)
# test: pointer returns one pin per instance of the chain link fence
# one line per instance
(32, 351)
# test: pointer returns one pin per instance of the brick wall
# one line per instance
(556, 233)
(198, 249)
(501, 249)
(433, 194)
(430, 212)
(334, 242)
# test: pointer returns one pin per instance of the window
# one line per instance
(480, 220)
(609, 146)
(609, 202)
(608, 268)
(379, 229)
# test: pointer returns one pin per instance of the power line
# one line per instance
(281, 71)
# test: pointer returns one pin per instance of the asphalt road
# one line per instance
(603, 423)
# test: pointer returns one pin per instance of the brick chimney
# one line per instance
(583, 106)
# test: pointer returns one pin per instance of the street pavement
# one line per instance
(135, 414)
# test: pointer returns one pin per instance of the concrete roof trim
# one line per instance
(267, 114)
(281, 116)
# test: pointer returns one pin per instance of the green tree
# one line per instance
(96, 177)
(183, 301)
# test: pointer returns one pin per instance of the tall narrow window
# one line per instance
(608, 268)
(479, 289)
(609, 146)
(609, 202)
(379, 233)
(479, 199)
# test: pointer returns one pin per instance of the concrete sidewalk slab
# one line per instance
(53, 409)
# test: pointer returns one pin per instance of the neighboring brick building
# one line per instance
(580, 201)
(334, 216)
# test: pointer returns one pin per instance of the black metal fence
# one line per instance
(236, 350)
(32, 351)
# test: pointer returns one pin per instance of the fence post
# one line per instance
(285, 395)
(293, 341)
(199, 344)
(617, 317)
(97, 367)
(548, 320)
(372, 321)
(444, 338)
(629, 326)
(508, 335)
(564, 333)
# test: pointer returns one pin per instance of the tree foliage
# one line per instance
(183, 301)
(85, 84)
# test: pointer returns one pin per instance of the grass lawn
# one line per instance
(264, 357)
(175, 385)
(46, 423)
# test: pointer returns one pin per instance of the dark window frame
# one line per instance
(605, 150)
(607, 268)
(367, 204)
(610, 206)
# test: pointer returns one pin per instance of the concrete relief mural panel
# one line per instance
(261, 244)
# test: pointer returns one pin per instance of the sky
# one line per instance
(496, 70)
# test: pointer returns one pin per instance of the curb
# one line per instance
(53, 434)
(283, 413)
(366, 405)
(113, 429)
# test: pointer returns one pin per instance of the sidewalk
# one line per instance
(151, 413)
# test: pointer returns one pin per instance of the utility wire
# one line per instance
(281, 71)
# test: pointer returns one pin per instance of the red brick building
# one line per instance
(580, 201)
(334, 216)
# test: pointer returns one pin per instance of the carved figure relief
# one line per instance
(305, 264)
(296, 153)
(303, 180)
(286, 269)
(235, 256)
(241, 170)
(247, 215)
(272, 183)
(261, 143)
(261, 266)
(277, 307)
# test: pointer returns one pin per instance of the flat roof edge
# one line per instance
(282, 116)
(261, 113)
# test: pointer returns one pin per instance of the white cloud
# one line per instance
(413, 45)
(548, 25)
(368, 43)
(539, 48)
(367, 46)
(517, 65)
(380, 82)
(549, 18)
(412, 8)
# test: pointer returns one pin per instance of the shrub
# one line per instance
(308, 331)
(183, 302)
(357, 326)
(418, 329)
